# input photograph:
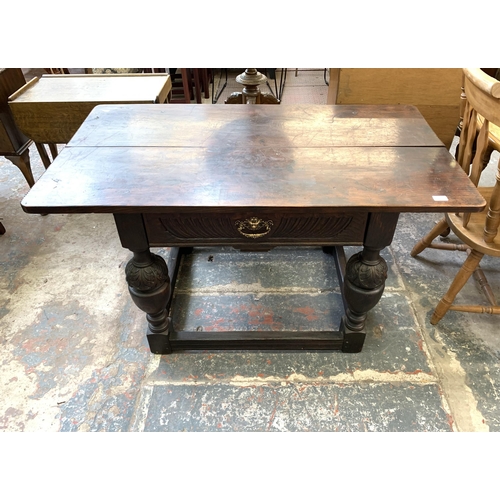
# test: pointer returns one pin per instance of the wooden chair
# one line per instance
(494, 130)
(478, 232)
(193, 84)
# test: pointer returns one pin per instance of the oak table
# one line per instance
(254, 177)
(49, 110)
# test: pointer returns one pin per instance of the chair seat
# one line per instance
(472, 235)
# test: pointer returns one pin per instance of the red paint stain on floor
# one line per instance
(450, 421)
(258, 315)
(251, 314)
(308, 312)
(217, 325)
(43, 344)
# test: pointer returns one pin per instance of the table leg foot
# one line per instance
(353, 341)
(159, 342)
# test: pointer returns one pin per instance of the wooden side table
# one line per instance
(50, 109)
(13, 143)
(254, 178)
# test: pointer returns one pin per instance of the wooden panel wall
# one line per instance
(435, 92)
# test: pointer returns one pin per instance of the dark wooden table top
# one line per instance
(149, 158)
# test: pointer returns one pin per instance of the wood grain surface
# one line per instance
(162, 159)
(50, 109)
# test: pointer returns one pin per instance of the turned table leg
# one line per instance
(365, 276)
(364, 284)
(148, 280)
(149, 286)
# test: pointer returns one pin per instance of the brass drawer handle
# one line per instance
(256, 226)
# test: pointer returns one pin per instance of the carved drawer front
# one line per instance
(254, 229)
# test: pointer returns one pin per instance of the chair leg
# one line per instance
(426, 241)
(205, 78)
(2, 228)
(458, 283)
(197, 85)
(485, 286)
(186, 85)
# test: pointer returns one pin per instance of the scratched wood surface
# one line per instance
(254, 127)
(166, 158)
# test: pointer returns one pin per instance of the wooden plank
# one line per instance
(154, 179)
(262, 340)
(428, 86)
(298, 126)
(333, 86)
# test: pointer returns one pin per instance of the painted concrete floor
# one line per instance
(74, 356)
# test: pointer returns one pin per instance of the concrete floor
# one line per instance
(74, 355)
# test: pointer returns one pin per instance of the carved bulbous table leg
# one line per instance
(149, 285)
(364, 284)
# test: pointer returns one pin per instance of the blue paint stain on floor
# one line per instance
(105, 402)
(298, 408)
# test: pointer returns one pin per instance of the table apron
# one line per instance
(140, 231)
(253, 229)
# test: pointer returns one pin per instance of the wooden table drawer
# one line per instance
(254, 229)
